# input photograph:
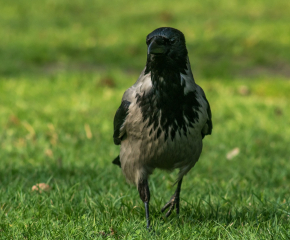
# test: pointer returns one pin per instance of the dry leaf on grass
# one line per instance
(48, 152)
(112, 232)
(41, 187)
(233, 153)
(108, 82)
(244, 90)
(88, 131)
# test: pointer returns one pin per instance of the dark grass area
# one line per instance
(225, 39)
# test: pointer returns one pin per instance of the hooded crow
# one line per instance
(163, 117)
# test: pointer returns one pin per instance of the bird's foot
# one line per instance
(173, 202)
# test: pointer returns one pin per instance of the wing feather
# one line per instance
(119, 120)
(207, 129)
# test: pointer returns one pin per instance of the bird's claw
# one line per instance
(173, 202)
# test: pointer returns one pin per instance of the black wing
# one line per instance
(208, 129)
(119, 119)
(117, 161)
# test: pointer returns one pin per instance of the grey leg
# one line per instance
(145, 197)
(174, 201)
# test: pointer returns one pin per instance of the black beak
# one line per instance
(157, 46)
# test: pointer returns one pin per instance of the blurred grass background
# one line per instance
(64, 66)
(224, 39)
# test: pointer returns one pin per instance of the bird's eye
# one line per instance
(172, 40)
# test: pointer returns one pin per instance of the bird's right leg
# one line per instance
(144, 193)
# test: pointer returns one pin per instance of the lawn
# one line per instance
(64, 66)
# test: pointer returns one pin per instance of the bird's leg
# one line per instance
(174, 201)
(145, 197)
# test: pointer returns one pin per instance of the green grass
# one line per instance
(243, 198)
(63, 69)
(224, 38)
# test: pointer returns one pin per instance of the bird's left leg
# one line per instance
(144, 193)
(174, 201)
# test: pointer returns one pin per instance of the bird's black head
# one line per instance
(166, 48)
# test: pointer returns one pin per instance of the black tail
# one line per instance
(117, 161)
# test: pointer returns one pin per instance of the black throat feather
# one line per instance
(166, 106)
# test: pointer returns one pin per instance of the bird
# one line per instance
(163, 117)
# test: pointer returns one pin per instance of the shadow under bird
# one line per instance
(163, 117)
